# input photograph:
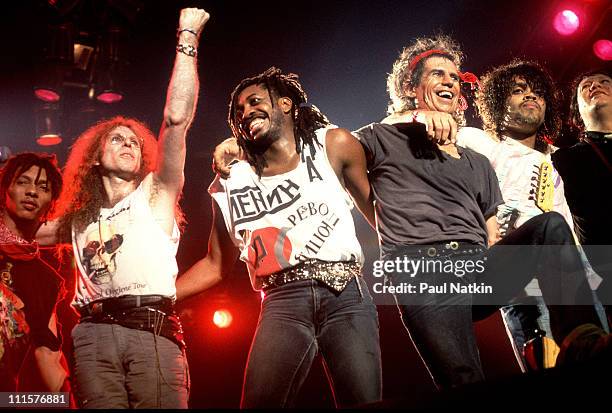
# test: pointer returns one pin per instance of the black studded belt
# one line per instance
(153, 313)
(441, 249)
(127, 302)
(335, 274)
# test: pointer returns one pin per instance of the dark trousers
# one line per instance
(440, 324)
(299, 320)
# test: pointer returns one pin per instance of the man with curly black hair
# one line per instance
(286, 209)
(519, 105)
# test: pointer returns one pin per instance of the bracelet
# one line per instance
(179, 31)
(187, 49)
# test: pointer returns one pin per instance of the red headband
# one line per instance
(416, 59)
(467, 77)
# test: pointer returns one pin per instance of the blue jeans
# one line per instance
(521, 322)
(301, 318)
(120, 368)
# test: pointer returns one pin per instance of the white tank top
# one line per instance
(279, 221)
(125, 252)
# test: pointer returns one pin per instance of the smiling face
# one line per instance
(525, 109)
(594, 93)
(29, 196)
(121, 152)
(259, 120)
(439, 88)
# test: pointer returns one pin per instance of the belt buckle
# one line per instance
(96, 308)
(453, 245)
(431, 251)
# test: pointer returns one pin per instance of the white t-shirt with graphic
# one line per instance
(279, 221)
(125, 252)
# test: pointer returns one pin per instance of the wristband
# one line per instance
(179, 31)
(187, 49)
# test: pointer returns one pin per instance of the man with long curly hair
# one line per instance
(586, 169)
(520, 108)
(119, 207)
(30, 289)
(286, 209)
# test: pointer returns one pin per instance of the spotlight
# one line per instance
(566, 22)
(47, 94)
(47, 118)
(222, 318)
(110, 96)
(603, 49)
(59, 57)
(108, 90)
(50, 82)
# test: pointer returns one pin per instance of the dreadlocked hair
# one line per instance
(20, 163)
(575, 120)
(83, 194)
(496, 87)
(403, 77)
(306, 119)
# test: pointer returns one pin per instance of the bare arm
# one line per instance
(218, 261)
(347, 157)
(180, 104)
(493, 230)
(47, 233)
(226, 152)
(441, 127)
(49, 363)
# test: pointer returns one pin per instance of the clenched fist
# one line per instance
(193, 19)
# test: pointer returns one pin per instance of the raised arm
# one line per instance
(347, 157)
(180, 102)
(211, 269)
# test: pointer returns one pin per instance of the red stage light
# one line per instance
(47, 95)
(603, 49)
(110, 97)
(49, 140)
(222, 318)
(566, 22)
